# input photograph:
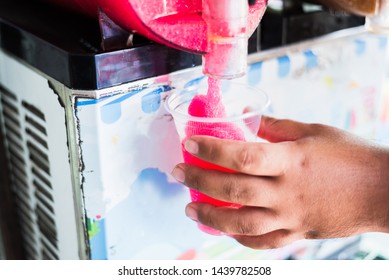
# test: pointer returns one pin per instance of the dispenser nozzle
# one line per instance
(379, 23)
(227, 21)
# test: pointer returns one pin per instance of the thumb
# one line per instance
(279, 130)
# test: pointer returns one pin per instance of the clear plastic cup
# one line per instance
(243, 105)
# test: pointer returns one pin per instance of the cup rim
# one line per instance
(175, 93)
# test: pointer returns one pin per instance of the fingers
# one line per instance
(254, 227)
(249, 221)
(231, 187)
(277, 130)
(261, 159)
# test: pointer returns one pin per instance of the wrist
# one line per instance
(374, 208)
(384, 192)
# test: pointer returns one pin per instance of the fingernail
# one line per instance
(178, 174)
(191, 213)
(191, 146)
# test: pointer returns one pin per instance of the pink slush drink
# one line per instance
(209, 106)
(219, 130)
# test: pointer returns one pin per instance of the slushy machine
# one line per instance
(87, 141)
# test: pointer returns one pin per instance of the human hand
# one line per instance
(310, 181)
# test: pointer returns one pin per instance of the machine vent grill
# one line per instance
(26, 136)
